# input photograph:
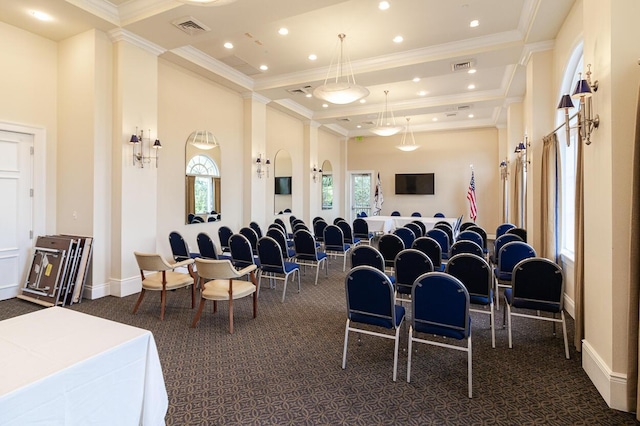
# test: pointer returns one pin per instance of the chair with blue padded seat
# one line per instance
(190, 217)
(347, 233)
(520, 232)
(307, 253)
(409, 265)
(440, 307)
(537, 285)
(220, 281)
(363, 214)
(503, 228)
(443, 223)
(508, 257)
(415, 228)
(211, 219)
(442, 238)
(252, 236)
(317, 218)
(422, 226)
(277, 234)
(480, 231)
(370, 256)
(292, 219)
(439, 215)
(468, 235)
(475, 273)
(416, 214)
(395, 213)
(318, 230)
(361, 230)
(371, 301)
(197, 219)
(390, 245)
(179, 248)
(207, 248)
(465, 225)
(406, 235)
(281, 223)
(256, 228)
(273, 266)
(337, 219)
(224, 233)
(465, 246)
(446, 227)
(432, 249)
(334, 244)
(300, 225)
(499, 242)
(242, 253)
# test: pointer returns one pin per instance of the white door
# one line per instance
(361, 185)
(16, 214)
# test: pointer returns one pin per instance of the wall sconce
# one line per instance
(137, 143)
(504, 169)
(315, 172)
(522, 149)
(584, 90)
(566, 103)
(262, 166)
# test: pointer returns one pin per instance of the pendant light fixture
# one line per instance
(343, 89)
(386, 124)
(203, 139)
(407, 145)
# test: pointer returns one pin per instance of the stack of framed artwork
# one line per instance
(59, 270)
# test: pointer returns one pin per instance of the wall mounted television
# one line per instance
(415, 183)
(283, 185)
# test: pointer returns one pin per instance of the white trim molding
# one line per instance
(125, 287)
(611, 385)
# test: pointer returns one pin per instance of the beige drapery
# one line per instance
(578, 261)
(191, 194)
(550, 197)
(634, 278)
(518, 193)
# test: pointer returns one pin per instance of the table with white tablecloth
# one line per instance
(62, 367)
(386, 224)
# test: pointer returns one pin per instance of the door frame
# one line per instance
(349, 206)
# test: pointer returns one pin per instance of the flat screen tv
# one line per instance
(283, 185)
(415, 183)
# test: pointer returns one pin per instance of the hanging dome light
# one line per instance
(203, 139)
(386, 124)
(404, 144)
(343, 90)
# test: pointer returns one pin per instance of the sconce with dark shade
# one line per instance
(566, 103)
(504, 169)
(315, 172)
(137, 143)
(584, 90)
(523, 150)
(262, 166)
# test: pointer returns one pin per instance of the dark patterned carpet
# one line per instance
(284, 367)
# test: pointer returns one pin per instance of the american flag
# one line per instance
(378, 199)
(471, 196)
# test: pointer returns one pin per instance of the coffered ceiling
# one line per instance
(418, 72)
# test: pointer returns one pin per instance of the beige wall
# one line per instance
(448, 155)
(331, 148)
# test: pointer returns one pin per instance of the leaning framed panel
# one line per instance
(62, 367)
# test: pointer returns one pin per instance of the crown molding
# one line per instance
(100, 8)
(119, 34)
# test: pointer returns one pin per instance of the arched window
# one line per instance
(203, 173)
(568, 153)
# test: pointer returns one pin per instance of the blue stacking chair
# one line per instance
(465, 225)
(179, 248)
(406, 235)
(446, 227)
(207, 248)
(318, 230)
(390, 245)
(334, 244)
(480, 231)
(371, 301)
(440, 307)
(273, 265)
(347, 233)
(503, 228)
(468, 235)
(224, 233)
(538, 285)
(439, 215)
(416, 214)
(368, 256)
(251, 235)
(520, 232)
(422, 226)
(307, 253)
(409, 265)
(415, 228)
(499, 242)
(256, 228)
(465, 246)
(508, 257)
(242, 254)
(395, 213)
(277, 234)
(284, 227)
(475, 273)
(317, 218)
(432, 249)
(361, 230)
(442, 238)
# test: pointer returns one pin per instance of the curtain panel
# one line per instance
(550, 197)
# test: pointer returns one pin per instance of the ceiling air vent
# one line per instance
(343, 119)
(299, 90)
(450, 114)
(463, 107)
(191, 25)
(463, 66)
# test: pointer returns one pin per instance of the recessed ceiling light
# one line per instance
(422, 93)
(383, 5)
(471, 86)
(434, 119)
(264, 67)
(325, 105)
(363, 101)
(359, 126)
(40, 15)
(472, 71)
(474, 23)
(313, 57)
(228, 45)
(398, 39)
(283, 31)
(416, 79)
(470, 116)
(308, 95)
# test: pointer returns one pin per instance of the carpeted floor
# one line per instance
(284, 367)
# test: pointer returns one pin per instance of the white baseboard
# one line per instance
(96, 291)
(125, 287)
(9, 291)
(612, 386)
(569, 306)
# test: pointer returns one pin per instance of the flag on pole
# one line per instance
(378, 199)
(471, 196)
